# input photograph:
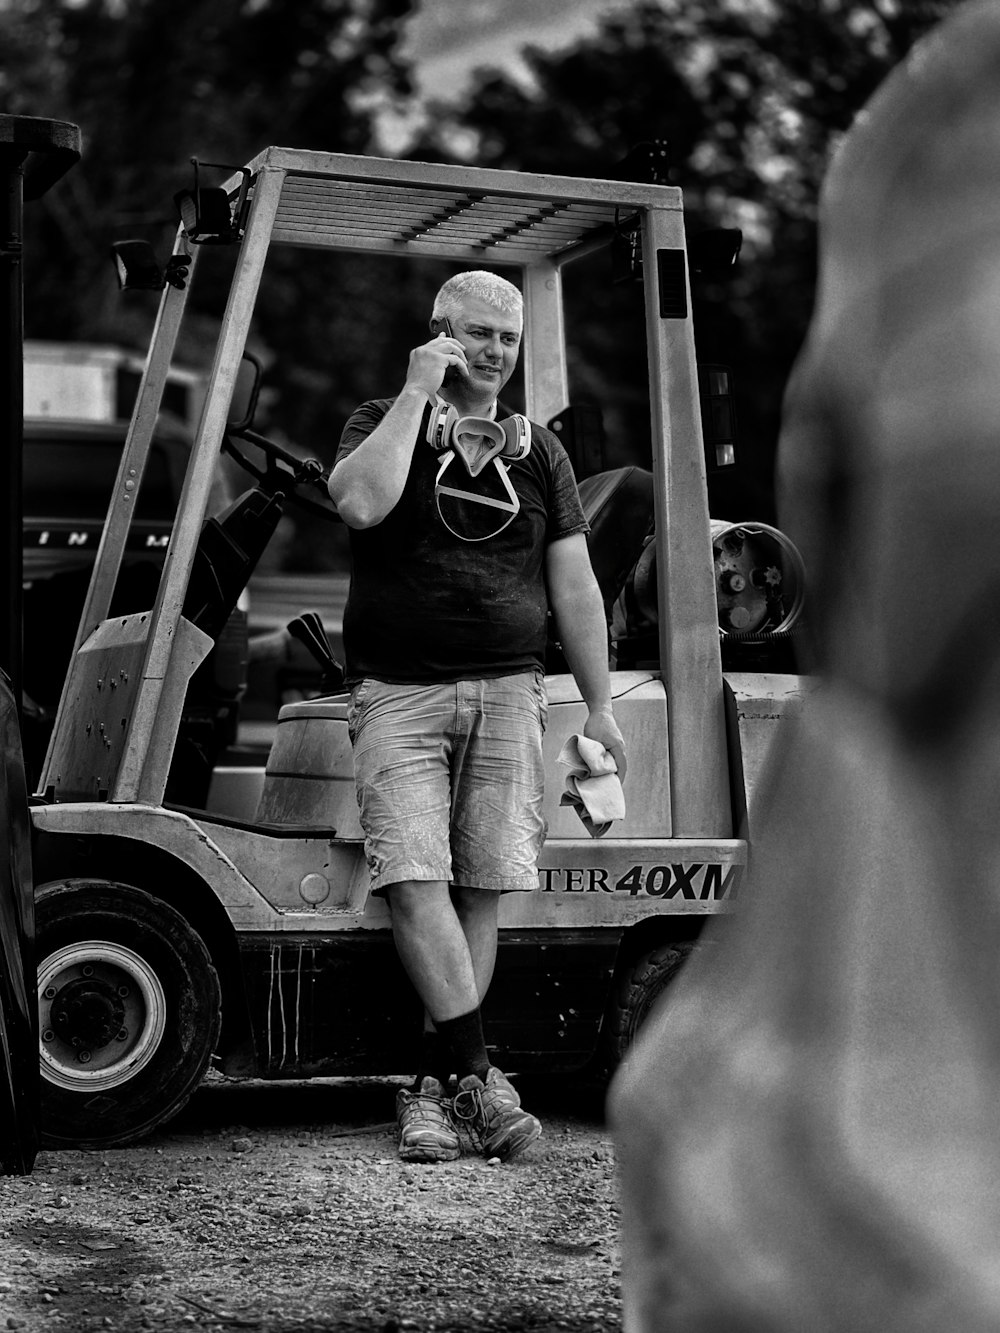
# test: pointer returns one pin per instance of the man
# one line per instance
(458, 554)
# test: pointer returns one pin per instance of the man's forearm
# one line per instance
(583, 635)
(367, 484)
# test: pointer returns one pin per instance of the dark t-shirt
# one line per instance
(425, 605)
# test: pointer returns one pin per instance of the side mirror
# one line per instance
(139, 270)
(243, 404)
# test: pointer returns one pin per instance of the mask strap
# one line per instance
(511, 508)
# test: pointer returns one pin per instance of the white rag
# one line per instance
(593, 786)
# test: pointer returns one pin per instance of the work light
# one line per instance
(209, 215)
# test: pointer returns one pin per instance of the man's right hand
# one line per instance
(367, 484)
(430, 363)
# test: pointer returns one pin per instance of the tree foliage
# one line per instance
(751, 96)
(153, 83)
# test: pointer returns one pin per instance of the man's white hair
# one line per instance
(483, 285)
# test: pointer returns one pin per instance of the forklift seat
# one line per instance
(618, 505)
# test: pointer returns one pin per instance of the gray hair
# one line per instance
(479, 283)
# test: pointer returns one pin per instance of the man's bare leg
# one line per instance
(447, 941)
(433, 948)
(477, 914)
(477, 911)
(434, 952)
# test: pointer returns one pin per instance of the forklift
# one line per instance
(171, 938)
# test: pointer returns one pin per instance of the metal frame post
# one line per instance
(34, 153)
(11, 411)
(546, 389)
(114, 536)
(690, 656)
(143, 772)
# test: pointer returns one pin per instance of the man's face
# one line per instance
(492, 341)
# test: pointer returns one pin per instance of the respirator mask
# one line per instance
(482, 445)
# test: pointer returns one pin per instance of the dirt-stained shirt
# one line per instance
(427, 606)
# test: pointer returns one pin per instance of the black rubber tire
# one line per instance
(135, 946)
(636, 989)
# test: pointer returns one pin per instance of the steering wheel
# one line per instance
(282, 472)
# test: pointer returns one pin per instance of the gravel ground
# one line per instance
(286, 1208)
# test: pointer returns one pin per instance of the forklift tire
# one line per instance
(129, 1009)
(636, 990)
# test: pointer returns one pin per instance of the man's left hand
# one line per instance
(601, 726)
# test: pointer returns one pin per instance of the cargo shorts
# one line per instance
(450, 780)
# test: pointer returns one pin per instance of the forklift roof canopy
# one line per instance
(423, 208)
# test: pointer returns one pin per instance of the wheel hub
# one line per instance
(87, 1012)
(102, 1015)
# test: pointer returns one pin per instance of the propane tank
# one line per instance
(759, 579)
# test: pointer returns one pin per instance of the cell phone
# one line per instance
(451, 374)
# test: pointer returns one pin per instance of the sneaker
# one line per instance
(426, 1133)
(493, 1112)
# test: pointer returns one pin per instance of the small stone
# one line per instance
(493, 1161)
(241, 1145)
